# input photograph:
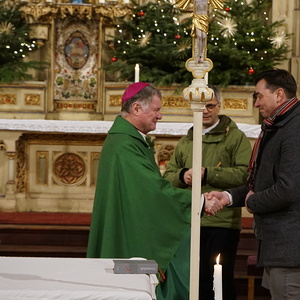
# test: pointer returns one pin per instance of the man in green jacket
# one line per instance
(137, 213)
(225, 156)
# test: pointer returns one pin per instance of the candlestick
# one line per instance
(218, 279)
(137, 73)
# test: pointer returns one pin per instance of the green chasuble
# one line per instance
(137, 213)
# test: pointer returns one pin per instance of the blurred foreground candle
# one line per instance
(218, 279)
(137, 73)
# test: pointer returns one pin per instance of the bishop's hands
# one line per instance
(224, 198)
(212, 205)
(215, 201)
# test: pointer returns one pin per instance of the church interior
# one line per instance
(53, 126)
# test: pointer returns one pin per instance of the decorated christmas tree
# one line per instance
(15, 45)
(241, 41)
(155, 39)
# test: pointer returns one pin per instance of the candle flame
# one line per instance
(218, 258)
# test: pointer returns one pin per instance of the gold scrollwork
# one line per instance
(81, 106)
(38, 11)
(167, 101)
(113, 11)
(81, 11)
(21, 164)
(235, 103)
(45, 13)
(174, 101)
(115, 100)
(32, 99)
(8, 98)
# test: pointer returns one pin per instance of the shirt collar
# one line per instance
(206, 130)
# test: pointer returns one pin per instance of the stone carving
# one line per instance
(32, 99)
(69, 168)
(235, 103)
(8, 98)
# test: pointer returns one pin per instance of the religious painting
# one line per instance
(76, 50)
(76, 65)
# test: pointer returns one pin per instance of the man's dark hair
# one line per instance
(279, 78)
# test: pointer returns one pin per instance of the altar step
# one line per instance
(43, 240)
(66, 235)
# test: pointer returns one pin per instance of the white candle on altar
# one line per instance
(218, 279)
(137, 73)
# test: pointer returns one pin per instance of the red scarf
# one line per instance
(267, 124)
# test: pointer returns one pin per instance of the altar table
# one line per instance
(30, 278)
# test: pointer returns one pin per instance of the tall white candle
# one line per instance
(137, 73)
(218, 279)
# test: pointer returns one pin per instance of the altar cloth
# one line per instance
(34, 278)
(162, 128)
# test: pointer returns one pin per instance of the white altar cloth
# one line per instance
(162, 128)
(28, 278)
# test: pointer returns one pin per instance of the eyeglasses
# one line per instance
(210, 107)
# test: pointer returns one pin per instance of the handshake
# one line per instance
(215, 201)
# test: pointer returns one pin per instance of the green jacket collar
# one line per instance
(223, 128)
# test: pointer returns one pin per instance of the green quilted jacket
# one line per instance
(225, 154)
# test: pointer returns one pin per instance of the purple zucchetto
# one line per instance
(133, 89)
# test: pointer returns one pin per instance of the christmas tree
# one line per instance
(15, 45)
(241, 41)
(155, 39)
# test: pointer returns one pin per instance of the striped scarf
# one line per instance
(266, 125)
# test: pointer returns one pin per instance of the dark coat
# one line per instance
(276, 199)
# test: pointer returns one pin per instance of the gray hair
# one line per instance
(144, 97)
(216, 93)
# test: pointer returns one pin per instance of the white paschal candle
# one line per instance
(137, 73)
(218, 279)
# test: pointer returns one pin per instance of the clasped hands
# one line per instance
(215, 201)
(223, 199)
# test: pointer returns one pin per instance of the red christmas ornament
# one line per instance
(177, 36)
(141, 13)
(228, 8)
(113, 59)
(251, 71)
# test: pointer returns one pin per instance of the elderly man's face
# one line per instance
(266, 100)
(149, 117)
(211, 113)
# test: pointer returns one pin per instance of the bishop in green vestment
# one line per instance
(138, 213)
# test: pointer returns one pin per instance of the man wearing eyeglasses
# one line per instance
(225, 156)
